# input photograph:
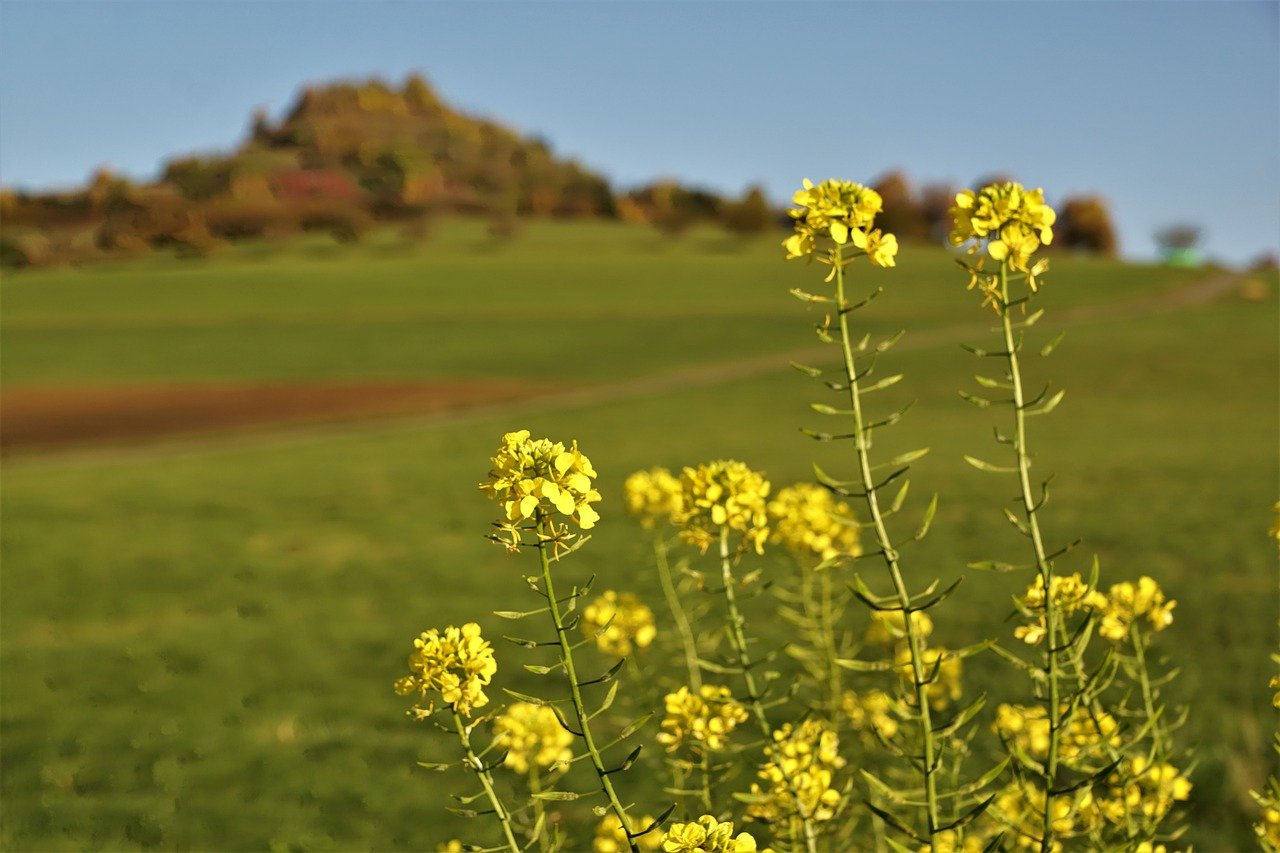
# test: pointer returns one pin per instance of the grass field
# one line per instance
(199, 642)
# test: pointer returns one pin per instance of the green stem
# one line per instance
(738, 640)
(705, 767)
(677, 613)
(829, 644)
(539, 810)
(915, 642)
(575, 690)
(1044, 567)
(1148, 693)
(474, 764)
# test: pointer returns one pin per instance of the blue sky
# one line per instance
(1171, 110)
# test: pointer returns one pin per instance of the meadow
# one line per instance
(198, 640)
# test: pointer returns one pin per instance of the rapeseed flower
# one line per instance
(1142, 789)
(1069, 593)
(723, 495)
(873, 710)
(1082, 733)
(707, 835)
(799, 775)
(653, 497)
(843, 212)
(1020, 807)
(619, 622)
(1127, 603)
(611, 839)
(890, 626)
(533, 476)
(532, 736)
(808, 520)
(1013, 221)
(702, 721)
(941, 666)
(455, 665)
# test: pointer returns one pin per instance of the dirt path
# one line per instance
(198, 419)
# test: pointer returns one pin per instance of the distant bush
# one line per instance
(1085, 225)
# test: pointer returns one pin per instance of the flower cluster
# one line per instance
(653, 497)
(942, 668)
(890, 626)
(531, 735)
(843, 211)
(533, 476)
(873, 710)
(1014, 221)
(1070, 594)
(808, 520)
(703, 721)
(1267, 830)
(707, 835)
(800, 774)
(456, 665)
(619, 622)
(611, 839)
(1019, 807)
(725, 494)
(1144, 789)
(1127, 603)
(1083, 733)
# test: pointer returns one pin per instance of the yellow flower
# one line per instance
(725, 494)
(871, 710)
(1019, 809)
(532, 477)
(653, 496)
(702, 721)
(1083, 733)
(611, 839)
(619, 622)
(1070, 594)
(456, 665)
(799, 774)
(808, 520)
(1014, 221)
(1145, 790)
(1127, 603)
(843, 212)
(942, 667)
(707, 835)
(531, 734)
(888, 626)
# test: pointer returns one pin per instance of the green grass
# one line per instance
(198, 646)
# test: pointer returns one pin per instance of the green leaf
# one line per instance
(431, 765)
(827, 480)
(987, 466)
(556, 796)
(890, 341)
(635, 727)
(966, 714)
(928, 517)
(864, 665)
(537, 669)
(806, 369)
(1047, 406)
(824, 409)
(887, 382)
(517, 614)
(1053, 344)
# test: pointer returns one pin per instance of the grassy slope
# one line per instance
(197, 648)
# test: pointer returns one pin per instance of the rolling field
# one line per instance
(198, 639)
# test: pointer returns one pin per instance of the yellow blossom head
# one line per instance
(872, 711)
(707, 835)
(1070, 594)
(890, 626)
(1013, 221)
(808, 520)
(1128, 603)
(454, 665)
(799, 776)
(532, 736)
(610, 838)
(653, 497)
(533, 478)
(843, 212)
(943, 668)
(702, 720)
(619, 622)
(723, 496)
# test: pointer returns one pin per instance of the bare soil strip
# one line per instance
(34, 420)
(46, 418)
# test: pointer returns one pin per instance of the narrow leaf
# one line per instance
(987, 466)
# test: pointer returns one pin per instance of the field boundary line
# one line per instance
(1191, 295)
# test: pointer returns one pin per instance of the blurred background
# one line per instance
(276, 277)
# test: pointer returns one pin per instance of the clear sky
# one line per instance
(1171, 110)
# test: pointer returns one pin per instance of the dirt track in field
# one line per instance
(53, 418)
(57, 417)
